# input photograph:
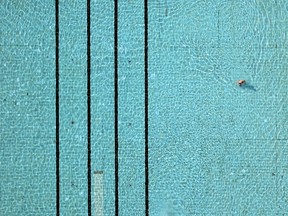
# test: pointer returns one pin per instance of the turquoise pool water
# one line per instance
(214, 148)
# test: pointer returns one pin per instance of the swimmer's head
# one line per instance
(241, 82)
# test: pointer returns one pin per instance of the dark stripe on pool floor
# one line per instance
(57, 107)
(89, 108)
(116, 102)
(146, 107)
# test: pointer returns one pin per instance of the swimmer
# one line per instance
(241, 82)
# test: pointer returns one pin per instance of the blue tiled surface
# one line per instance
(131, 108)
(214, 148)
(102, 97)
(73, 117)
(27, 153)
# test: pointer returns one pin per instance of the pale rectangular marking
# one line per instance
(98, 193)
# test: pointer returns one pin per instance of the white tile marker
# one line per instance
(98, 193)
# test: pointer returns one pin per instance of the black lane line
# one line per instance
(146, 108)
(89, 108)
(116, 102)
(57, 107)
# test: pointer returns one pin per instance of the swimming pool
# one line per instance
(74, 142)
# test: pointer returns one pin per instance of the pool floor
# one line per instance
(133, 107)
